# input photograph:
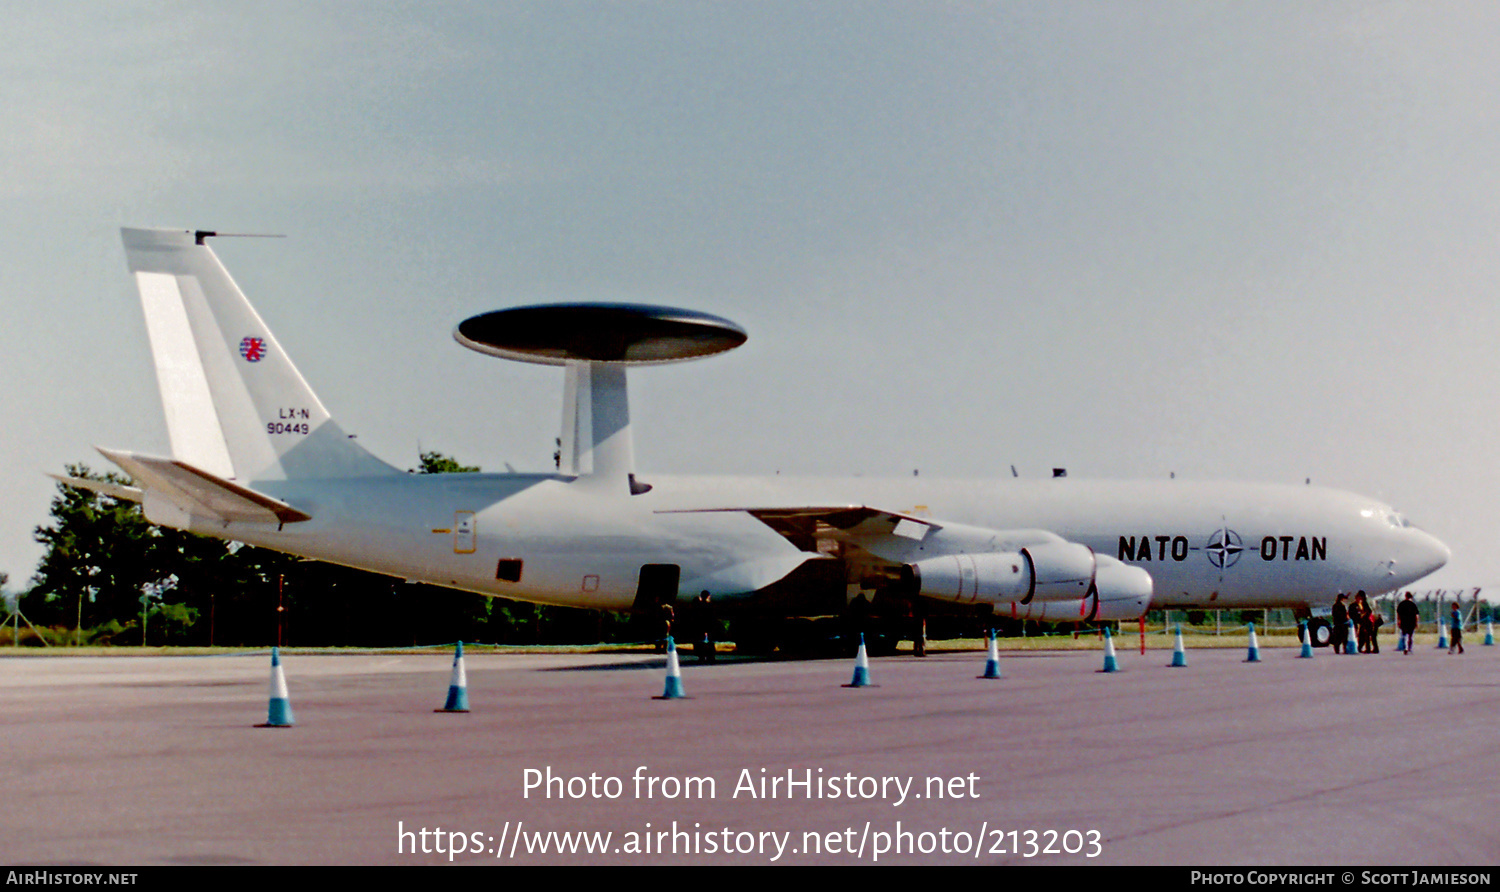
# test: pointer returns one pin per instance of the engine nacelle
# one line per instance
(1119, 592)
(970, 578)
(1045, 573)
(1060, 571)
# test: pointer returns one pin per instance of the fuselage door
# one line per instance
(463, 532)
(658, 584)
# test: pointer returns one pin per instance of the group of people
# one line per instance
(1365, 620)
(1406, 619)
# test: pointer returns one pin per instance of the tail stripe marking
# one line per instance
(192, 421)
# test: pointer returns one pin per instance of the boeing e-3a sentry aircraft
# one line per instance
(257, 458)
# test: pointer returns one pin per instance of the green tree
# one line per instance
(438, 463)
(100, 554)
(105, 562)
(224, 592)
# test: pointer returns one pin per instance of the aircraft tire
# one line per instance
(1320, 631)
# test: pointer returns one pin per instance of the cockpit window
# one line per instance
(1394, 518)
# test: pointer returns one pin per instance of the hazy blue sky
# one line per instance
(1245, 240)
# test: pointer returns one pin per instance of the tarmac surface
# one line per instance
(1338, 760)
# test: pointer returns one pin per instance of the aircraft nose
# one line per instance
(1435, 556)
(1425, 553)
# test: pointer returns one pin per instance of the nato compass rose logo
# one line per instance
(253, 349)
(1224, 548)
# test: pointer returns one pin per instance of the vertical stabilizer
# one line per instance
(235, 404)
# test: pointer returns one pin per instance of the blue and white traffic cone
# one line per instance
(280, 713)
(1306, 638)
(1254, 654)
(458, 684)
(861, 666)
(673, 689)
(992, 663)
(1179, 653)
(1489, 633)
(1442, 633)
(1110, 663)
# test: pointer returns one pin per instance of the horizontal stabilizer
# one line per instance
(102, 487)
(198, 493)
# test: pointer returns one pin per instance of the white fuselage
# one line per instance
(1204, 544)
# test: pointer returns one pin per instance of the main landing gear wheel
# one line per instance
(1320, 631)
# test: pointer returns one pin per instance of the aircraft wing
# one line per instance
(962, 563)
(888, 537)
(852, 525)
(197, 492)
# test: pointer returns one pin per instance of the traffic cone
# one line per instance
(861, 666)
(1254, 655)
(1489, 633)
(673, 689)
(458, 684)
(1306, 638)
(280, 713)
(1110, 663)
(1442, 634)
(1179, 653)
(992, 664)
